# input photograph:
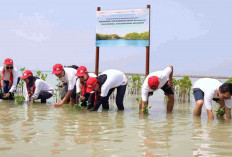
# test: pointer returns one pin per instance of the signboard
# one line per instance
(122, 28)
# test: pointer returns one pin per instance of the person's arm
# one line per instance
(208, 104)
(144, 99)
(67, 96)
(71, 83)
(91, 100)
(15, 80)
(98, 103)
(1, 69)
(228, 106)
(170, 76)
(227, 113)
(38, 88)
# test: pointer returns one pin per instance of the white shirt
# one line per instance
(70, 77)
(210, 88)
(40, 86)
(78, 88)
(163, 78)
(115, 78)
(7, 78)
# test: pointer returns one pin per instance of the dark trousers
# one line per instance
(5, 89)
(119, 98)
(44, 96)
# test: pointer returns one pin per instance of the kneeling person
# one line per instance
(9, 79)
(36, 88)
(158, 80)
(206, 90)
(104, 85)
(83, 75)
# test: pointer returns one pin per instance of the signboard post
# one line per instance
(120, 28)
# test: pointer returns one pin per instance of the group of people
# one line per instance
(93, 91)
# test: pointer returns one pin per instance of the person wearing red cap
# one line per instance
(83, 75)
(9, 79)
(104, 85)
(158, 80)
(36, 88)
(67, 76)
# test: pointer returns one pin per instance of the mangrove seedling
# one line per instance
(19, 99)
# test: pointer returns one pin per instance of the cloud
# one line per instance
(35, 28)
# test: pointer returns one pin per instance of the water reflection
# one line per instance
(44, 131)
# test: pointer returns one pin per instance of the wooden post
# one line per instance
(97, 61)
(148, 47)
(97, 53)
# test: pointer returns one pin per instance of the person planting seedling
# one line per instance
(82, 96)
(103, 86)
(36, 88)
(206, 90)
(67, 76)
(157, 80)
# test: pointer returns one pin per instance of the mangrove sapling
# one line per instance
(135, 83)
(146, 108)
(220, 112)
(229, 80)
(41, 75)
(184, 90)
(19, 99)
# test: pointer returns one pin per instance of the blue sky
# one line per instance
(193, 35)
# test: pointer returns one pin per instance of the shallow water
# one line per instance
(42, 130)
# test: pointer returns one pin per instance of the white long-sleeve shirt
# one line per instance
(210, 88)
(40, 86)
(70, 77)
(7, 78)
(163, 76)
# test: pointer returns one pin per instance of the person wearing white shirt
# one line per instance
(103, 86)
(206, 90)
(66, 75)
(158, 80)
(83, 75)
(9, 79)
(36, 88)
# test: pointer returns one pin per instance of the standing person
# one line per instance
(66, 75)
(158, 80)
(36, 88)
(83, 75)
(206, 90)
(9, 79)
(104, 85)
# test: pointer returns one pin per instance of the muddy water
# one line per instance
(42, 130)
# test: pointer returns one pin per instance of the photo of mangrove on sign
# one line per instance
(122, 28)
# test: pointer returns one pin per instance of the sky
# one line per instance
(192, 35)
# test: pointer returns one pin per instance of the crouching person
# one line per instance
(83, 75)
(36, 88)
(158, 80)
(103, 86)
(9, 79)
(206, 90)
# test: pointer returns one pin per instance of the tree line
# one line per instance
(129, 36)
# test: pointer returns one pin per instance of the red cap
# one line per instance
(153, 82)
(81, 71)
(27, 74)
(8, 61)
(57, 69)
(91, 82)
